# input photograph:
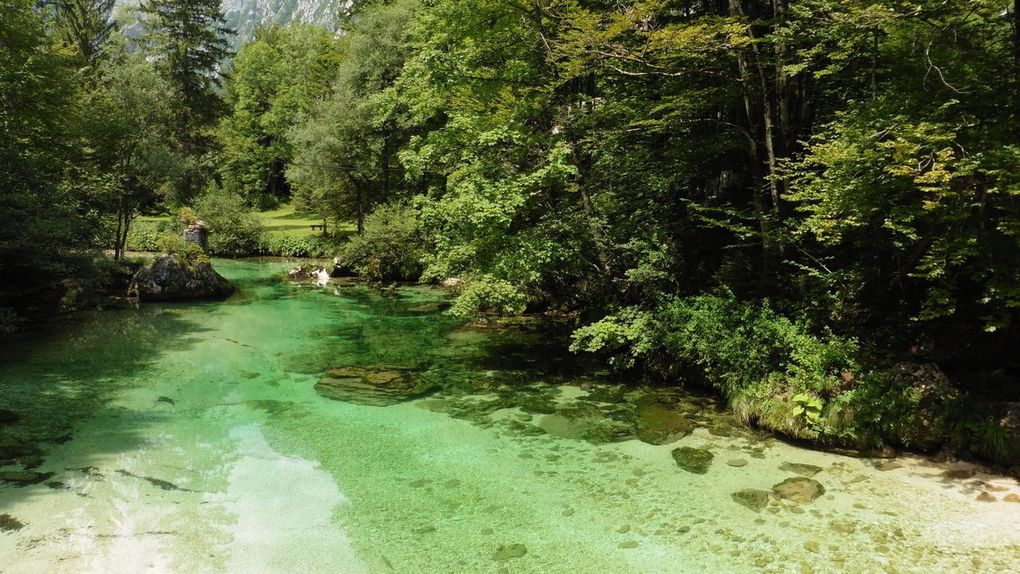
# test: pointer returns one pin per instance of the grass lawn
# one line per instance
(280, 221)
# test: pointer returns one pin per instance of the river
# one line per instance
(191, 438)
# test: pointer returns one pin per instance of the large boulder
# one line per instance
(379, 387)
(176, 278)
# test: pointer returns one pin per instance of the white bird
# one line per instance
(321, 278)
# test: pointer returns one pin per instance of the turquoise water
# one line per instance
(190, 438)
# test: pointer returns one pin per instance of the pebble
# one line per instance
(737, 462)
(628, 544)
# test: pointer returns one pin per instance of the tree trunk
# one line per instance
(118, 247)
(757, 105)
(359, 206)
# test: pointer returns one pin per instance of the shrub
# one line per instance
(390, 247)
(771, 370)
(143, 237)
(234, 229)
(487, 294)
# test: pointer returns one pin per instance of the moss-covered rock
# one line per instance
(696, 460)
(380, 386)
(751, 498)
(799, 489)
(175, 278)
(658, 424)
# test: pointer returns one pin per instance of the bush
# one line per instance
(144, 237)
(487, 294)
(771, 370)
(234, 229)
(390, 248)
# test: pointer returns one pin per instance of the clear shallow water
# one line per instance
(189, 438)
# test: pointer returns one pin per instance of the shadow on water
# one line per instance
(68, 372)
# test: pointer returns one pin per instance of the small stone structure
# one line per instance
(198, 234)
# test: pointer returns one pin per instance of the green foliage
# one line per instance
(345, 160)
(625, 337)
(390, 248)
(488, 295)
(989, 439)
(45, 233)
(190, 40)
(234, 229)
(144, 238)
(276, 78)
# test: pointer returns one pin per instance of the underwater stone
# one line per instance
(737, 462)
(986, 496)
(696, 460)
(799, 489)
(960, 473)
(888, 465)
(8, 417)
(372, 386)
(657, 424)
(509, 551)
(800, 468)
(9, 523)
(24, 477)
(751, 498)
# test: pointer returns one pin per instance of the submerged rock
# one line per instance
(799, 489)
(696, 460)
(509, 551)
(985, 496)
(24, 477)
(657, 424)
(9, 523)
(960, 473)
(800, 468)
(378, 387)
(173, 278)
(751, 498)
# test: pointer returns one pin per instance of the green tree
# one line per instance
(190, 38)
(85, 25)
(127, 162)
(346, 149)
(274, 81)
(43, 237)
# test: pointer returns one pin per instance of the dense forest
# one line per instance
(811, 206)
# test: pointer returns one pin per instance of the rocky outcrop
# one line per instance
(377, 387)
(174, 278)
